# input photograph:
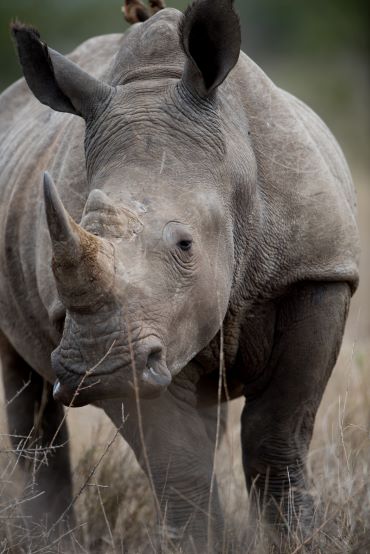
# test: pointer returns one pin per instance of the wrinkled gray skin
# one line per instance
(205, 195)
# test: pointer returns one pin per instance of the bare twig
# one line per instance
(19, 392)
(77, 391)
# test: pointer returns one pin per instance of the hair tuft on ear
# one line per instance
(184, 24)
(17, 26)
(54, 79)
(37, 67)
(28, 35)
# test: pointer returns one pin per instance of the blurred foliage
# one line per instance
(317, 50)
(270, 27)
(333, 27)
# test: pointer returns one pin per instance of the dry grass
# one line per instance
(116, 509)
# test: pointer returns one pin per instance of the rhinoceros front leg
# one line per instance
(178, 448)
(277, 424)
(33, 419)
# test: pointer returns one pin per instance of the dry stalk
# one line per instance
(105, 517)
(58, 539)
(89, 477)
(213, 476)
(140, 421)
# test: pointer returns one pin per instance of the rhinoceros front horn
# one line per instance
(82, 263)
(64, 232)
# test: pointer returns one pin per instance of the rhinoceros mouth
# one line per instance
(76, 397)
(148, 382)
(151, 385)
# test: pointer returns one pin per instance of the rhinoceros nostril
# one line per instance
(154, 356)
(156, 372)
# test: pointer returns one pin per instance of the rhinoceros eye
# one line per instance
(185, 244)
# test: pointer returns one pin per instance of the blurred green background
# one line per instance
(318, 50)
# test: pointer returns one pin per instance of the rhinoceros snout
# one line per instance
(145, 373)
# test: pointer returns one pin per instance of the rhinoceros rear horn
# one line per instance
(210, 37)
(54, 79)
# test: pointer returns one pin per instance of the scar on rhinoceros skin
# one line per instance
(135, 11)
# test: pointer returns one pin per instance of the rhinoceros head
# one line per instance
(145, 277)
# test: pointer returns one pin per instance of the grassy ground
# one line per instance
(114, 506)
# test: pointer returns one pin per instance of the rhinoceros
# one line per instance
(182, 234)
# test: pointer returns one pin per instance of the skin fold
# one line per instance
(189, 206)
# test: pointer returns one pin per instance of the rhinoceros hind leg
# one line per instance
(33, 418)
(277, 424)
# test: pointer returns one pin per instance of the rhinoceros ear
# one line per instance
(54, 79)
(210, 38)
